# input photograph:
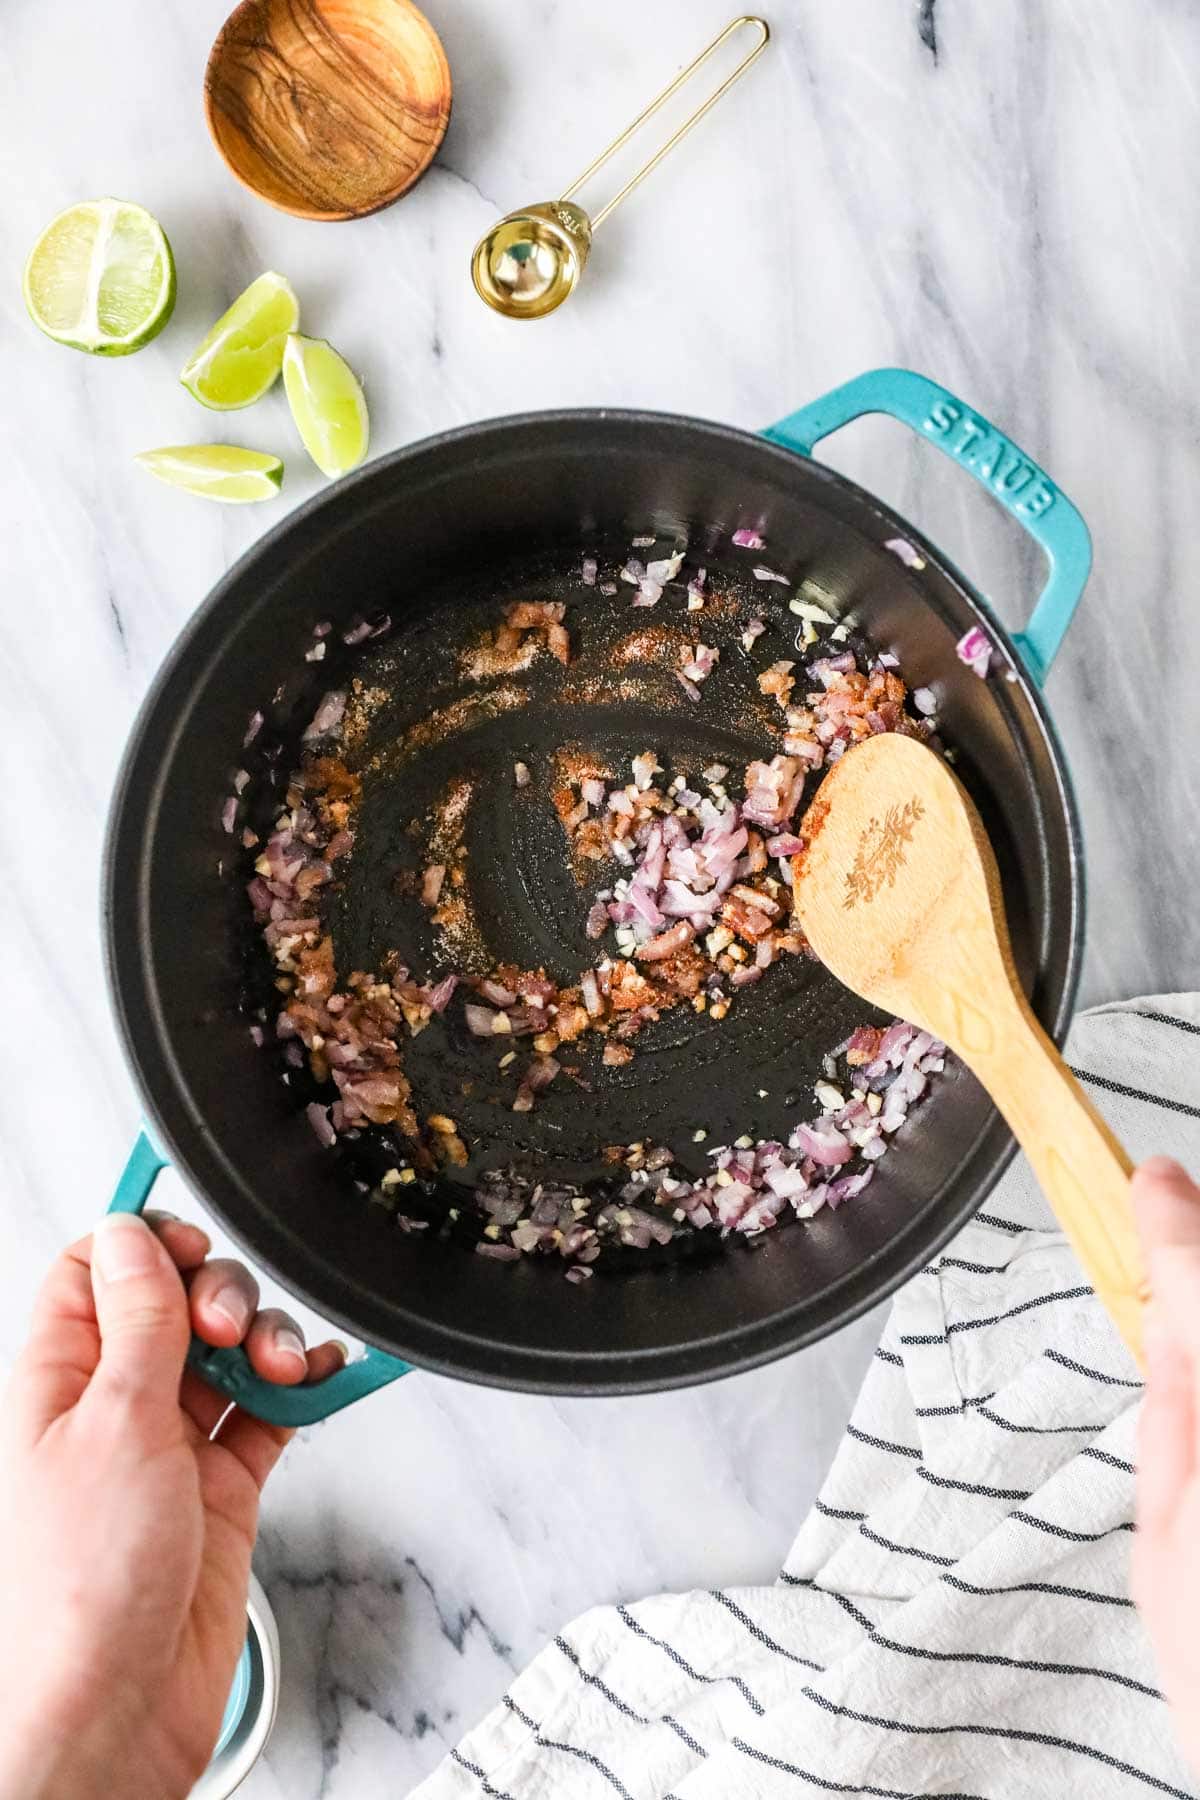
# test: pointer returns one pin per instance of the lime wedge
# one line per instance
(243, 353)
(216, 471)
(101, 278)
(327, 404)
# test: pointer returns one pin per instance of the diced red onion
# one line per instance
(328, 717)
(597, 919)
(229, 814)
(746, 975)
(721, 853)
(810, 753)
(497, 993)
(252, 729)
(827, 1147)
(318, 1118)
(895, 1041)
(678, 901)
(666, 943)
(641, 898)
(764, 952)
(542, 1071)
(773, 790)
(665, 569)
(747, 539)
(845, 1187)
(975, 650)
(908, 554)
(589, 571)
(439, 997)
(827, 667)
(702, 663)
(761, 573)
(685, 861)
(787, 1180)
(645, 768)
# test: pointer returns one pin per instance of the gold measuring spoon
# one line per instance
(529, 261)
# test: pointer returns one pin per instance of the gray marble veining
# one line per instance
(1003, 196)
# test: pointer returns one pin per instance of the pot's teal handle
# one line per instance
(997, 464)
(229, 1371)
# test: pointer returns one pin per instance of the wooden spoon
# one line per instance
(899, 895)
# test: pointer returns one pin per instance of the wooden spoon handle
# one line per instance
(1083, 1170)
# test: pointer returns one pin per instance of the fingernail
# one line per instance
(1163, 1168)
(342, 1349)
(166, 1218)
(288, 1342)
(122, 1247)
(233, 1306)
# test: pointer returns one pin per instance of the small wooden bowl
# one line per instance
(329, 109)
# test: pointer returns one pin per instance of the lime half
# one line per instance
(243, 353)
(327, 404)
(216, 471)
(101, 278)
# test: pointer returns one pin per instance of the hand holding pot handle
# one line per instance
(128, 1509)
(228, 1369)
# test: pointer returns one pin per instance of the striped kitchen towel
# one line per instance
(954, 1617)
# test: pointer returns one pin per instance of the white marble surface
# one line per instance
(1014, 213)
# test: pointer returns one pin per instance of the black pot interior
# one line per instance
(432, 536)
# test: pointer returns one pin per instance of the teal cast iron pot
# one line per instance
(419, 534)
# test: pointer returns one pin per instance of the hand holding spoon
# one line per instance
(899, 895)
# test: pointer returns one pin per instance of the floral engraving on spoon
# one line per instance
(882, 852)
